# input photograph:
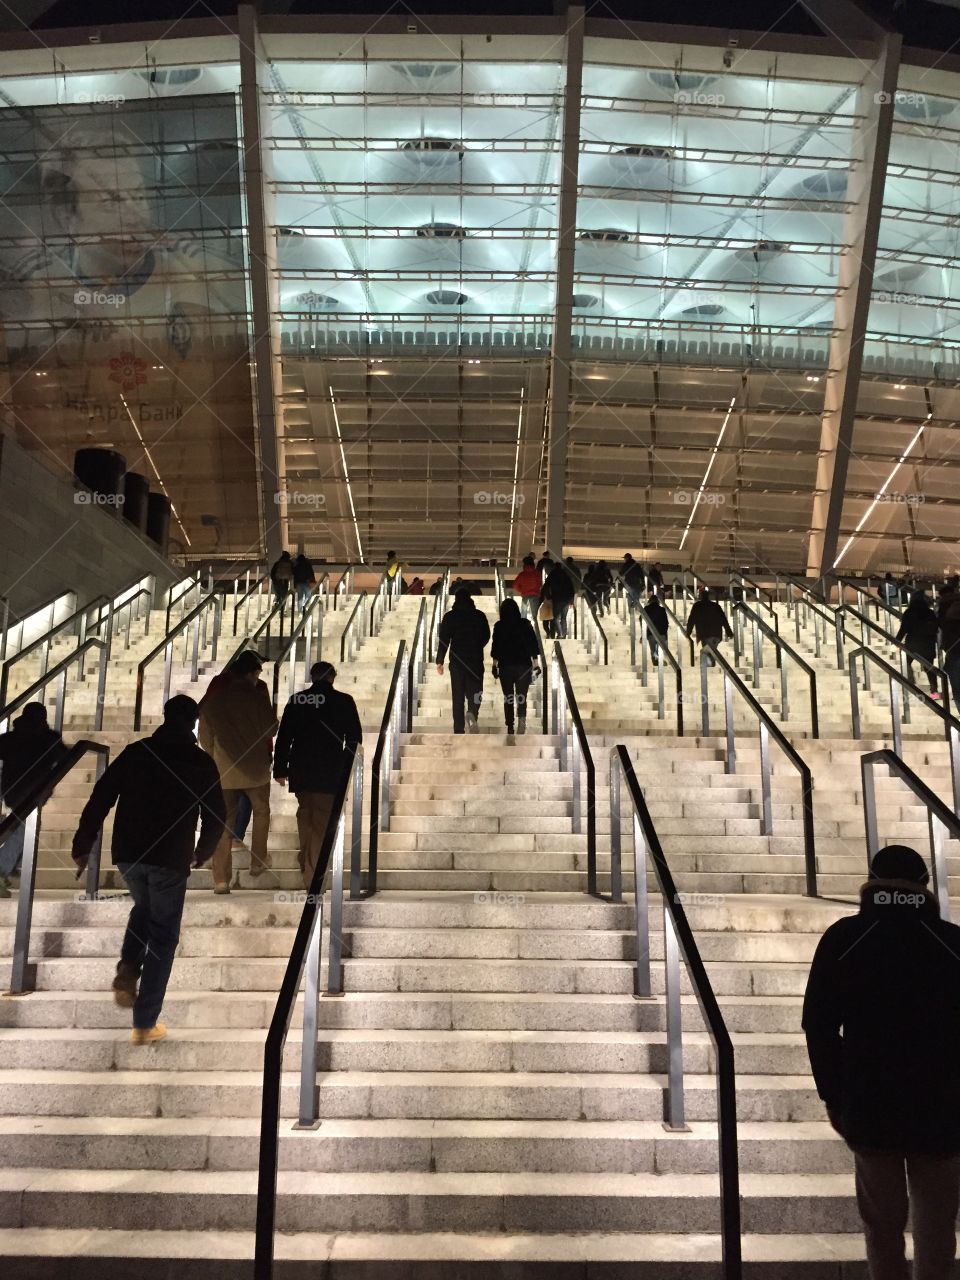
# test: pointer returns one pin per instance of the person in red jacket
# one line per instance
(527, 584)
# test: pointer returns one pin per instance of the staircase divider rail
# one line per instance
(57, 675)
(418, 664)
(352, 635)
(760, 594)
(574, 752)
(304, 955)
(768, 729)
(4, 625)
(388, 590)
(941, 819)
(199, 616)
(681, 633)
(782, 650)
(588, 628)
(824, 616)
(439, 609)
(664, 652)
(343, 586)
(277, 613)
(258, 589)
(540, 688)
(865, 600)
(499, 590)
(310, 618)
(22, 973)
(386, 759)
(679, 941)
(10, 646)
(903, 655)
(898, 681)
(177, 595)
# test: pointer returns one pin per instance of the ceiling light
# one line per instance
(812, 377)
(900, 386)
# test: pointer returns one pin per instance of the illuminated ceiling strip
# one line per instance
(346, 474)
(149, 457)
(706, 477)
(516, 479)
(886, 484)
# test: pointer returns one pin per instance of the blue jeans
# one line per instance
(153, 931)
(304, 591)
(952, 667)
(12, 851)
(242, 820)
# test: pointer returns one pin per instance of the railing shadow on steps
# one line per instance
(303, 964)
(768, 729)
(22, 973)
(783, 651)
(898, 681)
(678, 941)
(941, 820)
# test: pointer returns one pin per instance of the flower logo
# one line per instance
(129, 370)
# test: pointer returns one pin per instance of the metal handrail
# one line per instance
(303, 628)
(353, 635)
(259, 588)
(679, 941)
(899, 681)
(59, 672)
(190, 585)
(940, 818)
(780, 645)
(343, 587)
(768, 729)
(582, 607)
(663, 649)
(388, 743)
(575, 745)
(681, 632)
(750, 582)
(904, 654)
(863, 594)
(304, 954)
(22, 976)
(382, 601)
(540, 685)
(166, 647)
(418, 663)
(499, 590)
(439, 608)
(277, 612)
(824, 616)
(48, 605)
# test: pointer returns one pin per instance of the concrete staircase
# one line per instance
(491, 1093)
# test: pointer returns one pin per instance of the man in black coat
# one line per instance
(882, 1019)
(161, 785)
(28, 754)
(708, 620)
(660, 625)
(465, 632)
(319, 732)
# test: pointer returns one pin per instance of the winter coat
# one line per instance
(708, 620)
(319, 728)
(918, 628)
(950, 628)
(282, 570)
(514, 644)
(237, 725)
(632, 576)
(528, 582)
(882, 1019)
(160, 785)
(27, 756)
(302, 570)
(559, 586)
(465, 632)
(658, 616)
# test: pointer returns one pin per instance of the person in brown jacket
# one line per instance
(237, 725)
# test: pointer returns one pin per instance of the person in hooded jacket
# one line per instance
(161, 785)
(465, 632)
(281, 576)
(632, 576)
(950, 643)
(918, 633)
(28, 753)
(708, 620)
(304, 580)
(602, 585)
(516, 663)
(657, 633)
(882, 1020)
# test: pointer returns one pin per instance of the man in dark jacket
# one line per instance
(303, 579)
(465, 631)
(633, 578)
(160, 785)
(560, 587)
(660, 624)
(950, 643)
(708, 620)
(27, 755)
(918, 633)
(882, 1019)
(319, 731)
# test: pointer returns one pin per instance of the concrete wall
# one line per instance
(50, 543)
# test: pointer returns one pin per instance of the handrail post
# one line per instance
(730, 762)
(308, 1110)
(335, 941)
(868, 786)
(642, 988)
(766, 821)
(22, 973)
(704, 693)
(356, 829)
(854, 698)
(674, 1121)
(92, 883)
(940, 883)
(896, 717)
(616, 834)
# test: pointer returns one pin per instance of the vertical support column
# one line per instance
(558, 406)
(861, 230)
(261, 266)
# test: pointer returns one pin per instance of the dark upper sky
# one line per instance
(925, 23)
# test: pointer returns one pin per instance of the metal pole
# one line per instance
(730, 763)
(671, 952)
(869, 809)
(92, 885)
(641, 978)
(896, 716)
(854, 698)
(575, 768)
(167, 670)
(704, 694)
(616, 840)
(22, 976)
(356, 829)
(335, 944)
(308, 1112)
(766, 823)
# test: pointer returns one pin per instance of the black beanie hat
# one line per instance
(899, 862)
